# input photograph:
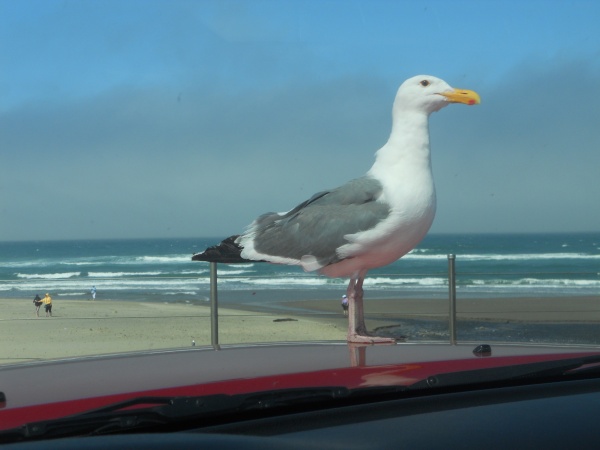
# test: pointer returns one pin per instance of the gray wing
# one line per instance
(317, 227)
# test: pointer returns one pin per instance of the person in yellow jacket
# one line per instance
(47, 301)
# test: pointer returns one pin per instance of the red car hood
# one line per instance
(52, 389)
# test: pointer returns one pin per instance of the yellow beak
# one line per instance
(462, 96)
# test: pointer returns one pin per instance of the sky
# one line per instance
(178, 118)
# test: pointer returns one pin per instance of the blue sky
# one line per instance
(175, 118)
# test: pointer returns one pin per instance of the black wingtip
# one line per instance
(227, 252)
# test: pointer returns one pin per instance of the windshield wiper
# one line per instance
(538, 372)
(143, 412)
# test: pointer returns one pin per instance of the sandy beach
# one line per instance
(83, 327)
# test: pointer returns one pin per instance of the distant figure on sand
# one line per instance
(48, 304)
(345, 304)
(37, 301)
(93, 291)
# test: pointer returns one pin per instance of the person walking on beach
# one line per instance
(93, 291)
(37, 301)
(345, 304)
(47, 300)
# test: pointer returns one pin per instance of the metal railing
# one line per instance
(214, 302)
(452, 297)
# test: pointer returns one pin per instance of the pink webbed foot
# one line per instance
(357, 330)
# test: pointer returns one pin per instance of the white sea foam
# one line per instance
(418, 251)
(121, 274)
(402, 281)
(181, 293)
(507, 257)
(427, 257)
(279, 281)
(193, 272)
(78, 285)
(169, 259)
(84, 261)
(123, 260)
(533, 283)
(30, 263)
(228, 272)
(125, 284)
(48, 276)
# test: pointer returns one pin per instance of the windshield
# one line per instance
(461, 204)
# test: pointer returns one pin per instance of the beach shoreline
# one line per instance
(85, 327)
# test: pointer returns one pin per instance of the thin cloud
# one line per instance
(194, 160)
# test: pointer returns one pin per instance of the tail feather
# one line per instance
(226, 252)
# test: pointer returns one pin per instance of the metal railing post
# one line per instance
(452, 294)
(214, 307)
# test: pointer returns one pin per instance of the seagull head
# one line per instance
(425, 93)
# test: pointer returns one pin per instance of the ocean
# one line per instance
(487, 265)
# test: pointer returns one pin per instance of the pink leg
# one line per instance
(357, 330)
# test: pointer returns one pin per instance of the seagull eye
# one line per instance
(425, 83)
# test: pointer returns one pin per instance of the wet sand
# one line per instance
(558, 309)
(80, 327)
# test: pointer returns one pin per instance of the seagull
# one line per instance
(366, 223)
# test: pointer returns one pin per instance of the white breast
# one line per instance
(410, 192)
